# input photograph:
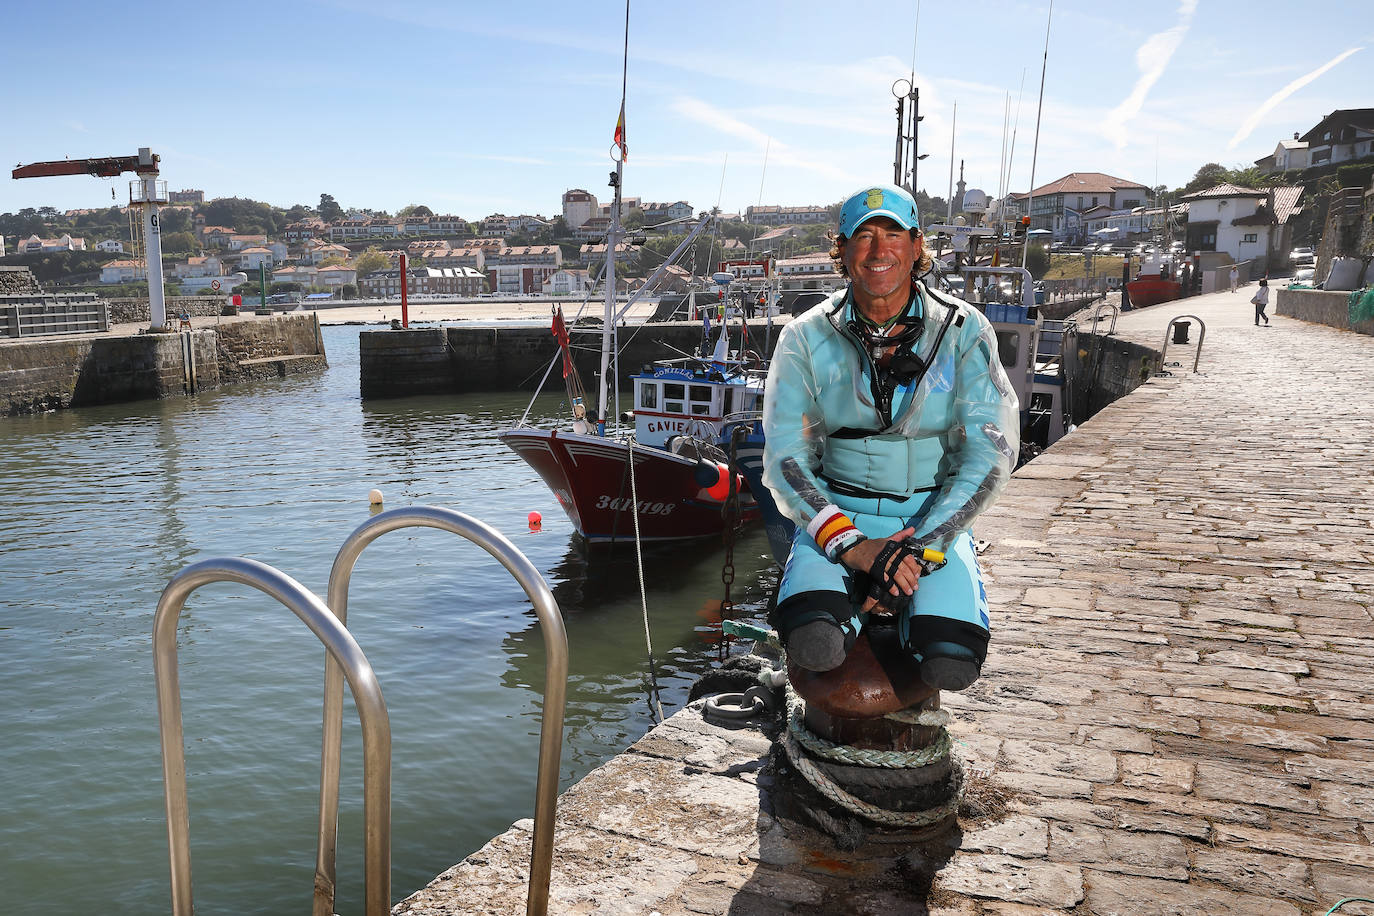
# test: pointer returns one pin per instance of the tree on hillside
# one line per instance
(415, 210)
(1208, 176)
(174, 219)
(932, 209)
(371, 261)
(179, 243)
(22, 224)
(298, 212)
(1250, 177)
(329, 209)
(247, 216)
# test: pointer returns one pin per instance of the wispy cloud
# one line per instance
(1152, 59)
(710, 116)
(1269, 104)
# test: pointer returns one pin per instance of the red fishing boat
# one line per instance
(664, 478)
(1154, 284)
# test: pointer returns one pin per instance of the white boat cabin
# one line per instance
(677, 401)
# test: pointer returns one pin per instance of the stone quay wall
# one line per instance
(135, 310)
(431, 360)
(270, 348)
(1101, 368)
(41, 375)
(1320, 307)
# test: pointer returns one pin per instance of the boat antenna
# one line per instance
(1035, 149)
(1015, 125)
(949, 206)
(915, 33)
(720, 191)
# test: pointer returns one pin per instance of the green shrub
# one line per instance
(1355, 176)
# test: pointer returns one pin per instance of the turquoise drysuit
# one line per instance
(930, 454)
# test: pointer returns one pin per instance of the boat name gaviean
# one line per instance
(622, 504)
(672, 426)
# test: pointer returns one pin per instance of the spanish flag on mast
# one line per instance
(620, 133)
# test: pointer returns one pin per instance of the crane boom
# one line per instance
(101, 167)
(145, 198)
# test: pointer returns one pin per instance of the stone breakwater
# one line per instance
(18, 281)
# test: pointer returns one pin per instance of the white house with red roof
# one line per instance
(122, 271)
(1249, 224)
(1059, 205)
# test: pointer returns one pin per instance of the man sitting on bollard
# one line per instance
(890, 425)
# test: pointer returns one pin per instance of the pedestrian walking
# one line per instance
(1235, 277)
(1261, 300)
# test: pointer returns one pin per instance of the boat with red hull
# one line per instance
(1155, 283)
(1152, 289)
(590, 476)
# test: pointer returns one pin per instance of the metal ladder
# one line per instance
(345, 660)
(1197, 354)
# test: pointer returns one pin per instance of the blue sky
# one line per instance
(476, 108)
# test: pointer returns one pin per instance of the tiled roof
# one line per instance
(1226, 190)
(1085, 183)
(1286, 202)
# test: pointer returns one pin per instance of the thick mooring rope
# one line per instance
(858, 756)
(828, 787)
(798, 739)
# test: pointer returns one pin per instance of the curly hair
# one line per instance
(922, 266)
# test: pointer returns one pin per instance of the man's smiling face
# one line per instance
(879, 257)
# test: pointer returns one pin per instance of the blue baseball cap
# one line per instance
(880, 200)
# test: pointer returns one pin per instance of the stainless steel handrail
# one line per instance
(343, 652)
(555, 691)
(1202, 333)
(1116, 313)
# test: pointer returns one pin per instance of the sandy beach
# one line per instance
(495, 310)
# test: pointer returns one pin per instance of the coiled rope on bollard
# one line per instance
(798, 740)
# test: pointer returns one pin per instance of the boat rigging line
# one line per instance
(1035, 150)
(643, 597)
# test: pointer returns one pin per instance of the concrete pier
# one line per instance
(1177, 714)
(492, 357)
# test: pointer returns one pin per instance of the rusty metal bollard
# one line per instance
(872, 708)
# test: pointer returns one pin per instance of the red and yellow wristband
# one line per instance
(833, 532)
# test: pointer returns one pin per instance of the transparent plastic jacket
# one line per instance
(954, 432)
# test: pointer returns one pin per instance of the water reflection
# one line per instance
(116, 499)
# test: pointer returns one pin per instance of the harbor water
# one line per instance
(105, 504)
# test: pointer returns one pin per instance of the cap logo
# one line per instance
(874, 200)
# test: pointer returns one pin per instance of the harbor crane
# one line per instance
(146, 192)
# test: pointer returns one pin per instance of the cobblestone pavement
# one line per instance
(1177, 710)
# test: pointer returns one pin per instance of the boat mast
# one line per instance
(613, 236)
